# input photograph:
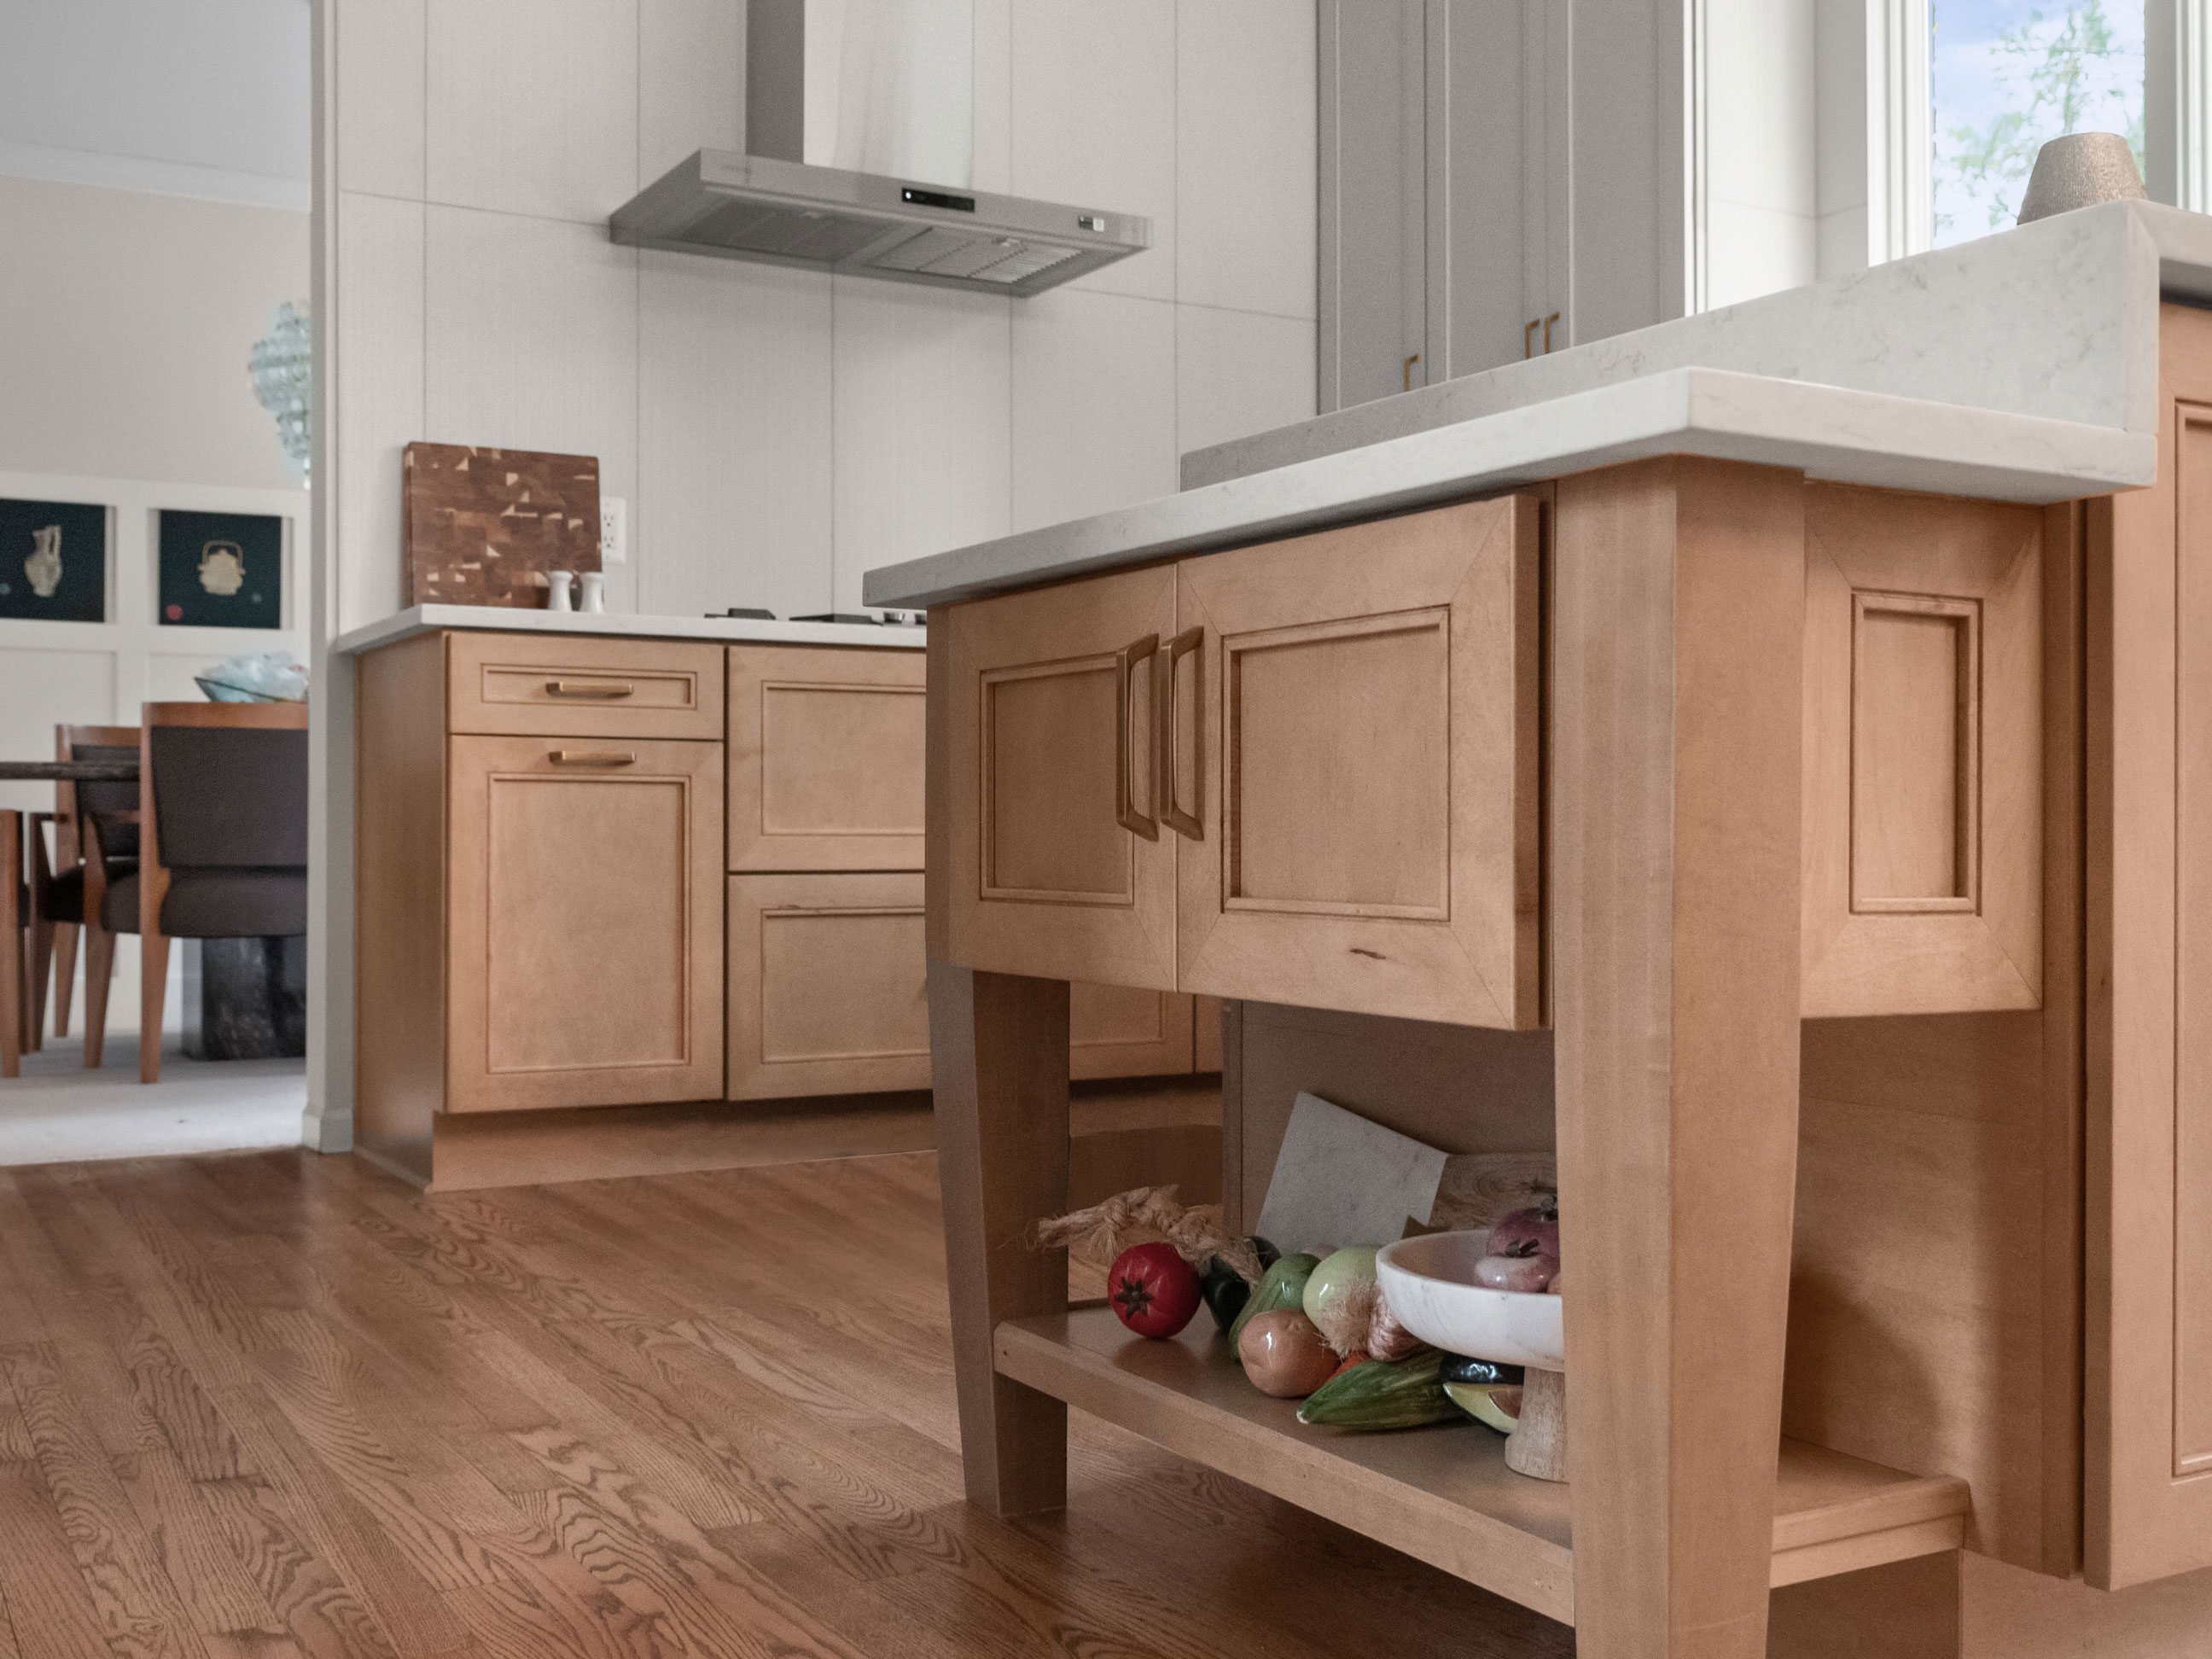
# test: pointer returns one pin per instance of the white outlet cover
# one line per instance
(614, 530)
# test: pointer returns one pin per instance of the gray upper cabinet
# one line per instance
(1445, 157)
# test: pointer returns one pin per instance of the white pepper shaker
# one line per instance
(558, 585)
(592, 592)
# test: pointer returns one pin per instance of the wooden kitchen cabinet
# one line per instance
(586, 930)
(1361, 710)
(825, 758)
(827, 994)
(570, 685)
(1057, 864)
(1300, 772)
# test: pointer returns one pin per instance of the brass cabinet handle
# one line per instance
(592, 757)
(1548, 321)
(589, 689)
(1125, 783)
(1186, 644)
(1405, 373)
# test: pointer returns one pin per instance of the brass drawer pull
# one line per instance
(589, 689)
(592, 757)
(1168, 744)
(1125, 787)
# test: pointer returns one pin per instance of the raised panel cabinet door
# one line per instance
(2146, 1388)
(1057, 864)
(1923, 887)
(826, 757)
(828, 985)
(1351, 768)
(1113, 1030)
(585, 926)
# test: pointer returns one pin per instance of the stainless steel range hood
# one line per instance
(834, 90)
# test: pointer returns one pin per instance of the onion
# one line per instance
(1342, 1296)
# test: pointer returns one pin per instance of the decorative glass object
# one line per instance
(283, 364)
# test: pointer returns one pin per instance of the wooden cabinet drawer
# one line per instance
(553, 684)
(827, 989)
(826, 758)
(1924, 754)
(828, 993)
(584, 924)
(1350, 731)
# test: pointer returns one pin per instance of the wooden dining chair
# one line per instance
(15, 1002)
(57, 891)
(222, 849)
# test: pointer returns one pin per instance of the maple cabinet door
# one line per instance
(1351, 768)
(829, 990)
(2147, 1288)
(585, 926)
(1056, 863)
(826, 753)
(1115, 1031)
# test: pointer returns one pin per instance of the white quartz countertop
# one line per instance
(501, 619)
(2022, 367)
(1828, 432)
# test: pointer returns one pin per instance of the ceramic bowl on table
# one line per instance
(1429, 1282)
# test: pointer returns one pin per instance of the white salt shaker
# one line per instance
(558, 585)
(592, 592)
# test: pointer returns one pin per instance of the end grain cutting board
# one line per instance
(483, 526)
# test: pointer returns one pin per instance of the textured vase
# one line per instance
(2078, 170)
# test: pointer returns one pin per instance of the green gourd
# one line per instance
(1382, 1394)
(1284, 1285)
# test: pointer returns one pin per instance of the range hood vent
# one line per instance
(756, 207)
(842, 97)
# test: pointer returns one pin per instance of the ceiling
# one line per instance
(192, 97)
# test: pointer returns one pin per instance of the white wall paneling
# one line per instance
(379, 345)
(531, 105)
(1094, 122)
(922, 444)
(1245, 134)
(734, 478)
(1094, 404)
(98, 673)
(1238, 373)
(691, 56)
(381, 56)
(530, 342)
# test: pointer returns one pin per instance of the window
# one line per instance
(2006, 75)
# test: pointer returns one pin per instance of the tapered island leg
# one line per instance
(998, 1065)
(1677, 734)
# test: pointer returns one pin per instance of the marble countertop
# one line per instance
(499, 619)
(2022, 367)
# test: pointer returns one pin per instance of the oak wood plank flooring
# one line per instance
(273, 1406)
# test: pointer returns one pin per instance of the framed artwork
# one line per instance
(54, 562)
(220, 569)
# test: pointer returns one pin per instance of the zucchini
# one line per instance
(1381, 1394)
(1283, 1286)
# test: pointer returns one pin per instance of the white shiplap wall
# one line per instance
(776, 432)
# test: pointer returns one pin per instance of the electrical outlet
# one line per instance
(614, 530)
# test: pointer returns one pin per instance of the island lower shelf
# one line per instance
(1444, 1494)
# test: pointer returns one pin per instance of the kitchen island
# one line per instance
(1760, 760)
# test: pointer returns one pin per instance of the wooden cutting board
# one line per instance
(483, 526)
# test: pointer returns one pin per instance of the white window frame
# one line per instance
(2177, 116)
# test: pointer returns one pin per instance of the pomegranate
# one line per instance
(1532, 1232)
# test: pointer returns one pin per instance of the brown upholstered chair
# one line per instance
(58, 911)
(223, 824)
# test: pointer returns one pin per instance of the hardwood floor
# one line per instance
(274, 1404)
